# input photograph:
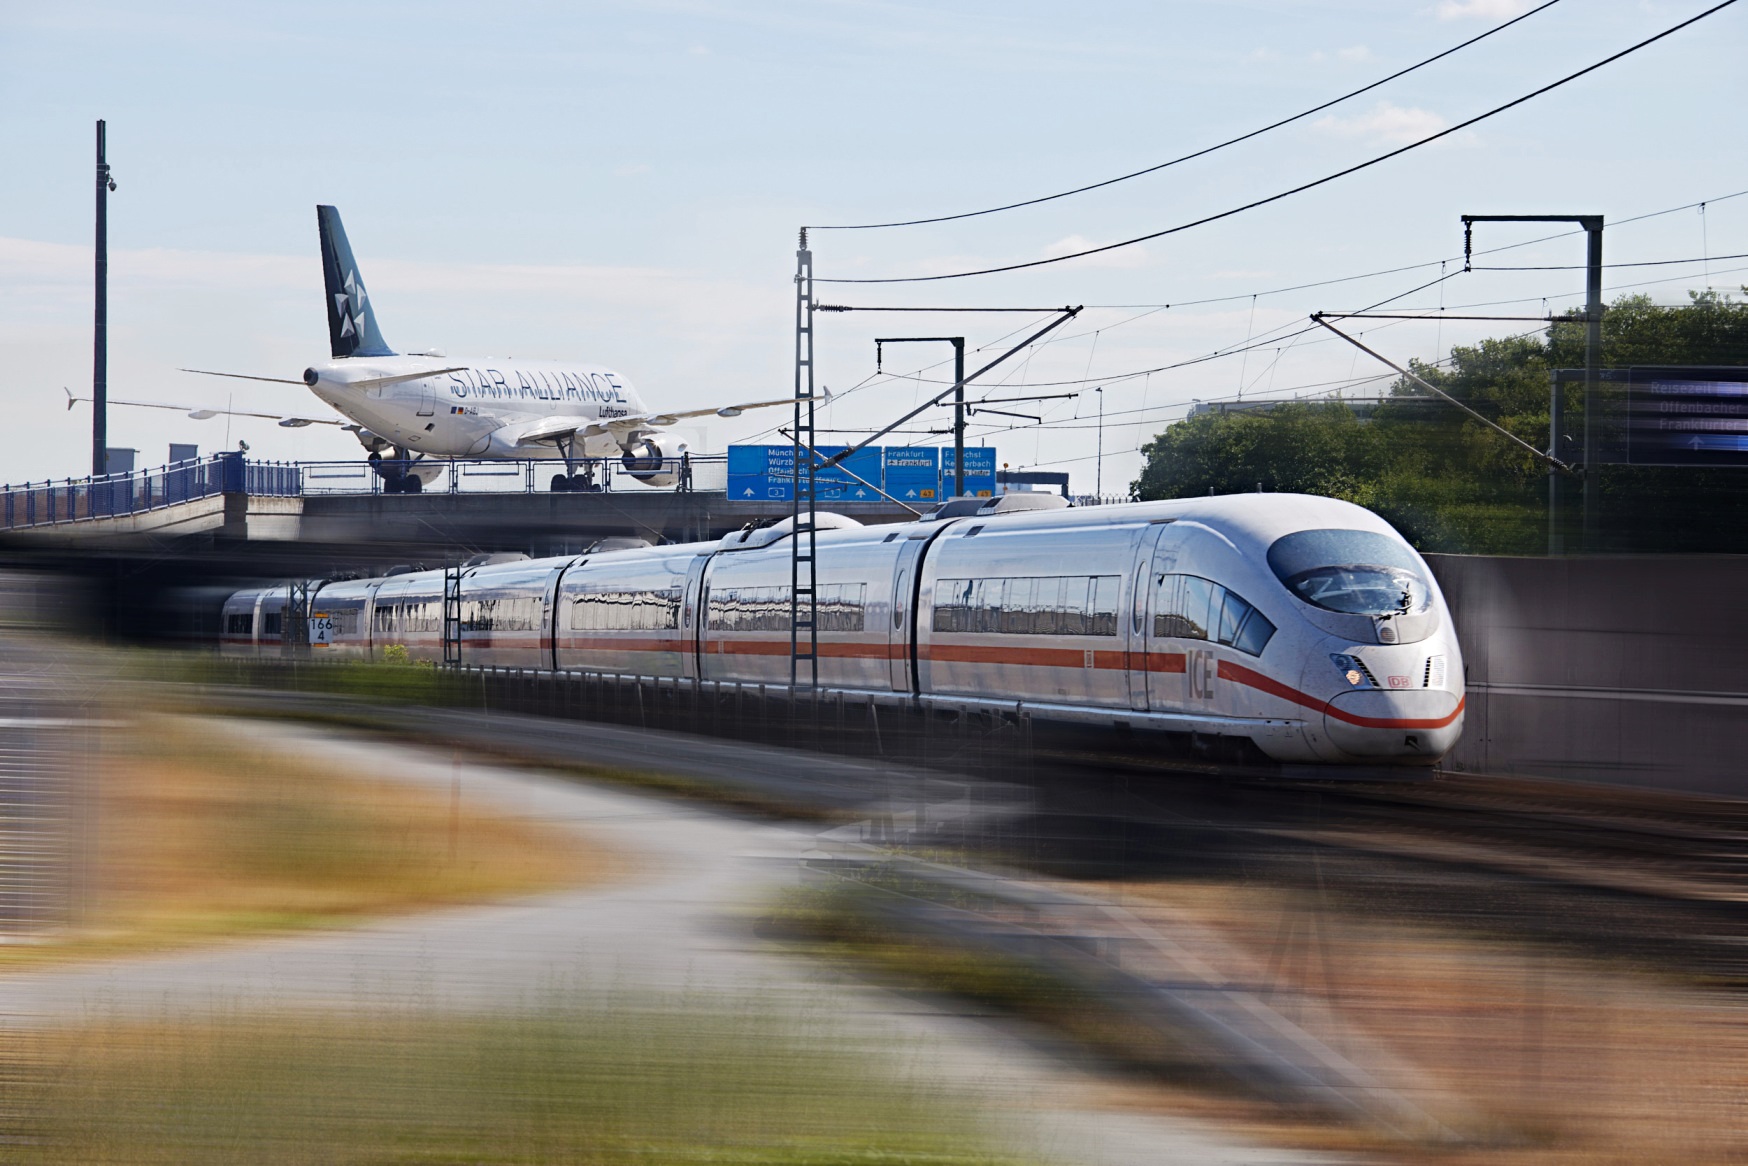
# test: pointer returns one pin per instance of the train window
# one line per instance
(503, 614)
(1254, 636)
(271, 623)
(1360, 572)
(898, 598)
(1103, 596)
(842, 608)
(1047, 605)
(239, 623)
(1181, 611)
(643, 610)
(1192, 608)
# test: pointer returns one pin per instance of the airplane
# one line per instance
(419, 405)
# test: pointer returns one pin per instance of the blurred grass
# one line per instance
(845, 921)
(193, 836)
(395, 679)
(601, 1086)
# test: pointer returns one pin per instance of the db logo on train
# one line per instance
(1199, 668)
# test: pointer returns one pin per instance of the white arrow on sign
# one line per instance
(748, 493)
(1695, 443)
(910, 493)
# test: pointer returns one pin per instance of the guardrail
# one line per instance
(116, 495)
(475, 476)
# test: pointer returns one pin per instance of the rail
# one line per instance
(72, 500)
(707, 472)
(119, 495)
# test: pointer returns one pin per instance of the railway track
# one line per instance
(1661, 879)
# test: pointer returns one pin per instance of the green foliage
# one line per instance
(620, 1082)
(1451, 483)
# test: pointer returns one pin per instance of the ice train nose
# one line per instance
(1413, 725)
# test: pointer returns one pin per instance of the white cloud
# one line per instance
(1481, 9)
(1386, 123)
(1354, 55)
(1264, 56)
(1122, 258)
(631, 170)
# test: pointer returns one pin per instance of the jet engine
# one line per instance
(653, 465)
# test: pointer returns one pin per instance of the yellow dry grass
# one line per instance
(1569, 1061)
(191, 836)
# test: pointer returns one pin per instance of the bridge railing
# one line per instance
(479, 476)
(116, 495)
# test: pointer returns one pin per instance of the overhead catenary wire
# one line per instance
(1206, 150)
(1146, 310)
(1305, 186)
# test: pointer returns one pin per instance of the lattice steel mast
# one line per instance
(803, 550)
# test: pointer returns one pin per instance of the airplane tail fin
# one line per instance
(351, 321)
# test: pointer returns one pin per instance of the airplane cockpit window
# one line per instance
(1358, 572)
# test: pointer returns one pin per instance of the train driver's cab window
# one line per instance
(1357, 572)
(1188, 607)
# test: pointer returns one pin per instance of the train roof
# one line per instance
(1250, 521)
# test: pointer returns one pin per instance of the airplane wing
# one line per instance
(202, 414)
(625, 429)
(366, 383)
(660, 420)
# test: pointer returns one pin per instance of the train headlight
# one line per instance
(1353, 670)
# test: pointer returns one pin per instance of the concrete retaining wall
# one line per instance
(1629, 671)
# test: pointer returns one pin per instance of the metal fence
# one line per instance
(115, 495)
(475, 476)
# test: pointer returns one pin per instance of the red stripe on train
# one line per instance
(1246, 676)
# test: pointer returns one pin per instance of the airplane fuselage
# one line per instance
(473, 409)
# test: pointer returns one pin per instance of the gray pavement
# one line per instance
(675, 922)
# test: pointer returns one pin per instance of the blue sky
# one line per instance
(622, 183)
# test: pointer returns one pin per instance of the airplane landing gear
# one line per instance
(395, 475)
(572, 482)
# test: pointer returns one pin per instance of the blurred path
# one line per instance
(667, 926)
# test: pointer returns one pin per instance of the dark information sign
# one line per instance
(1687, 416)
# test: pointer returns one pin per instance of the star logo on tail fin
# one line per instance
(350, 306)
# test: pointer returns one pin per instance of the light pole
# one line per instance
(100, 322)
(1099, 475)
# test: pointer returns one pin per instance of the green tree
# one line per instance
(1451, 483)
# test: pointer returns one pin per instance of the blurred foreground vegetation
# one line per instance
(597, 1085)
(1451, 484)
(196, 834)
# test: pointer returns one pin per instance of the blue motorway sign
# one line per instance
(765, 473)
(1687, 416)
(913, 474)
(979, 471)
(918, 475)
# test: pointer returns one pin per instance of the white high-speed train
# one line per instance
(1304, 625)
